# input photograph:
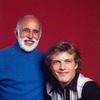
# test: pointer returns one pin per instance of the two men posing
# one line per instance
(21, 76)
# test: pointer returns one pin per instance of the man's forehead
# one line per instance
(29, 23)
(63, 55)
(30, 20)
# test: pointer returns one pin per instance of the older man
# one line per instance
(64, 80)
(21, 75)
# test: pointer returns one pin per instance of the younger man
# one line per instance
(64, 80)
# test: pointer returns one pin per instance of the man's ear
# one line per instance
(40, 36)
(16, 33)
(76, 65)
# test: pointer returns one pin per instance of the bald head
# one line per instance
(28, 17)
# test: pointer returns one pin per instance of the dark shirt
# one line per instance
(72, 86)
(90, 91)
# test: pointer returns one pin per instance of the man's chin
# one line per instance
(27, 45)
(28, 48)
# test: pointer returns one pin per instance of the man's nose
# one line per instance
(30, 35)
(62, 66)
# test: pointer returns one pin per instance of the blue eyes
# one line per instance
(66, 61)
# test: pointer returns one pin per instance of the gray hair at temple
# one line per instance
(28, 16)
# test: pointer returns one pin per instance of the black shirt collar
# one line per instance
(73, 84)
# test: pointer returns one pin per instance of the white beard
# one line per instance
(27, 48)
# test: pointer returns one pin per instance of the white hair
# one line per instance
(25, 47)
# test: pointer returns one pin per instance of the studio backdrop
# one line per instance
(77, 21)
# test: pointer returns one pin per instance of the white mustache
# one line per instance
(27, 39)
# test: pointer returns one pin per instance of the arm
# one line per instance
(91, 91)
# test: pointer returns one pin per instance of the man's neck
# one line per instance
(64, 84)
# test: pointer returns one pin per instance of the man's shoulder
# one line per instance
(91, 85)
(5, 54)
(82, 80)
(91, 90)
(7, 48)
(85, 81)
(6, 51)
(88, 88)
(41, 53)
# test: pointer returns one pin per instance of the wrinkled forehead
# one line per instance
(26, 21)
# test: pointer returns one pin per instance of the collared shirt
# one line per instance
(71, 86)
(81, 88)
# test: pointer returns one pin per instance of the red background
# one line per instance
(75, 20)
